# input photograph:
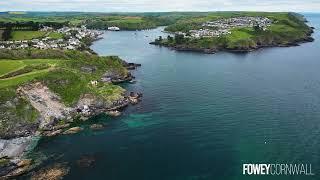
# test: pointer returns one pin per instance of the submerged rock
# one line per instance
(86, 161)
(96, 126)
(55, 172)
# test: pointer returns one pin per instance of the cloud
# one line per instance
(163, 5)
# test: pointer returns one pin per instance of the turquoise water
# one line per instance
(203, 116)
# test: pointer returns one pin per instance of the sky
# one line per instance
(160, 5)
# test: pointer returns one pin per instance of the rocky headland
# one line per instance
(53, 117)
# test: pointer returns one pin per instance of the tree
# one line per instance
(257, 28)
(170, 39)
(179, 38)
(6, 35)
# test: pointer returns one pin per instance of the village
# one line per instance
(224, 26)
(72, 39)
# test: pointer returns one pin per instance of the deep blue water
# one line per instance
(203, 116)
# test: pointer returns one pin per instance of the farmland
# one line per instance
(26, 35)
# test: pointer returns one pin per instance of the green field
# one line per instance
(9, 66)
(21, 79)
(17, 66)
(55, 35)
(126, 21)
(27, 35)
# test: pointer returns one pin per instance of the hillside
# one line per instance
(66, 73)
(282, 29)
(126, 21)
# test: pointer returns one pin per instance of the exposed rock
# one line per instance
(73, 130)
(52, 133)
(55, 172)
(119, 104)
(134, 98)
(22, 167)
(57, 127)
(89, 105)
(96, 126)
(6, 166)
(113, 113)
(131, 66)
(83, 118)
(12, 124)
(24, 162)
(54, 130)
(14, 147)
(15, 168)
(116, 77)
(88, 69)
(41, 98)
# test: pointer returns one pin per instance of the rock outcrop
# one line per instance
(46, 103)
(73, 130)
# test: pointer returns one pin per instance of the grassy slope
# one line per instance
(55, 35)
(26, 35)
(9, 66)
(128, 21)
(62, 74)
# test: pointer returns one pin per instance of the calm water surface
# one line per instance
(203, 116)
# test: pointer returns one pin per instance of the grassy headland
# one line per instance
(61, 71)
(286, 29)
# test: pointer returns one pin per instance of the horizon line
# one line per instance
(74, 11)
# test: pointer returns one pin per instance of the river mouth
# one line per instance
(202, 115)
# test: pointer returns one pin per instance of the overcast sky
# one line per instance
(160, 5)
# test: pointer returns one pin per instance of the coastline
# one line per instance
(17, 143)
(186, 48)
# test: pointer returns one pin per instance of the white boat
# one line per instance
(113, 28)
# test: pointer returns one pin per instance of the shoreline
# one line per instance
(183, 48)
(15, 145)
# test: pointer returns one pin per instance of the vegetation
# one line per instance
(126, 22)
(56, 35)
(129, 21)
(26, 35)
(287, 29)
(62, 71)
